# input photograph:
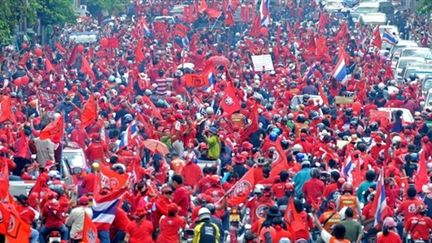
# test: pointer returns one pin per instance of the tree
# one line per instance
(9, 17)
(425, 6)
(101, 7)
(53, 12)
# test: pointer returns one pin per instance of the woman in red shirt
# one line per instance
(389, 235)
(140, 230)
(169, 225)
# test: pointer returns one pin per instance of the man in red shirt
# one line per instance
(54, 220)
(96, 150)
(79, 134)
(419, 226)
(181, 195)
(191, 172)
(313, 189)
(409, 206)
(333, 186)
(162, 203)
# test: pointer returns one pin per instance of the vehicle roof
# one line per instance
(407, 43)
(368, 4)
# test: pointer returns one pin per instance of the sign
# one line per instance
(262, 61)
(342, 100)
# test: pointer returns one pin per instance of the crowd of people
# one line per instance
(185, 139)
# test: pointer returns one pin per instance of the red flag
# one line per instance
(323, 95)
(54, 130)
(244, 13)
(213, 13)
(6, 110)
(4, 222)
(230, 102)
(111, 179)
(253, 127)
(60, 48)
(154, 110)
(23, 146)
(312, 46)
(74, 55)
(343, 31)
(239, 193)
(48, 66)
(18, 230)
(229, 18)
(85, 68)
(256, 25)
(322, 22)
(4, 182)
(202, 6)
(294, 219)
(422, 177)
(148, 127)
(321, 47)
(195, 80)
(89, 231)
(24, 59)
(139, 54)
(113, 42)
(89, 114)
(377, 38)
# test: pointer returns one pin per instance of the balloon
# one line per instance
(356, 107)
(38, 52)
(104, 42)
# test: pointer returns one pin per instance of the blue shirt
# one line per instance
(300, 179)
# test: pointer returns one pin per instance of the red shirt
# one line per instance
(419, 227)
(313, 190)
(161, 209)
(392, 237)
(169, 227)
(140, 232)
(96, 152)
(121, 220)
(182, 199)
(408, 208)
(78, 135)
(279, 189)
(88, 183)
(192, 174)
(329, 189)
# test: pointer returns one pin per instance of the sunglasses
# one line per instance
(167, 193)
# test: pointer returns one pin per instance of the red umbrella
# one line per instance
(218, 60)
(156, 146)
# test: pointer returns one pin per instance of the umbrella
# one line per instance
(219, 60)
(186, 65)
(156, 146)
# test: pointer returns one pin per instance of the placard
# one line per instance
(342, 100)
(260, 61)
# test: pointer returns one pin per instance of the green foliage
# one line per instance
(53, 12)
(98, 7)
(9, 16)
(425, 6)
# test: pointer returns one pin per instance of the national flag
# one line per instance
(239, 193)
(379, 203)
(4, 182)
(340, 73)
(421, 178)
(54, 130)
(265, 12)
(389, 38)
(104, 212)
(6, 109)
(230, 102)
(90, 112)
(129, 135)
(89, 234)
(348, 169)
(377, 38)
